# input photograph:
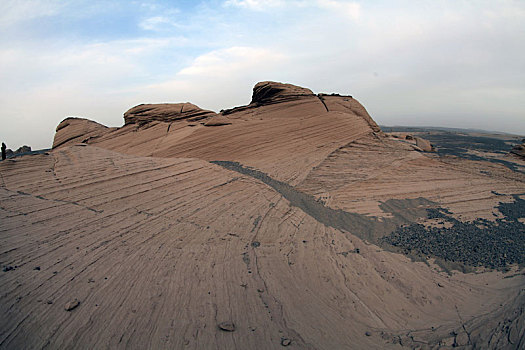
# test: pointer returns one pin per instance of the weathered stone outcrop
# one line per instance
(269, 92)
(75, 130)
(166, 112)
(424, 145)
(175, 232)
(285, 128)
(217, 120)
(348, 104)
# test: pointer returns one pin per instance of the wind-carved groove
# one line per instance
(463, 326)
(53, 169)
(57, 200)
(2, 184)
(272, 305)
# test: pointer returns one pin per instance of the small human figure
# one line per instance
(3, 151)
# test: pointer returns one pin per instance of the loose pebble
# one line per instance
(227, 326)
(72, 305)
(285, 341)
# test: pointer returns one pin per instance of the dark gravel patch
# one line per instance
(458, 144)
(476, 243)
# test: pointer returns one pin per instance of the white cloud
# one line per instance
(233, 60)
(221, 78)
(255, 4)
(159, 22)
(97, 81)
(155, 23)
(14, 11)
(104, 62)
(346, 8)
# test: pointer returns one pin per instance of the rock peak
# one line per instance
(166, 112)
(268, 92)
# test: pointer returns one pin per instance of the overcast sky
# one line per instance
(435, 63)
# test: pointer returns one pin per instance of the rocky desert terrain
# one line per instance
(293, 221)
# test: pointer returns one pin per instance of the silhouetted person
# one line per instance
(3, 150)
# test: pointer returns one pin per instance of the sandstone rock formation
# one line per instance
(424, 145)
(288, 133)
(165, 112)
(259, 227)
(269, 92)
(75, 130)
(418, 143)
(217, 120)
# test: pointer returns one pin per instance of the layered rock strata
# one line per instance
(258, 227)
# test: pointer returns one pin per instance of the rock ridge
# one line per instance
(75, 130)
(269, 92)
(270, 100)
(166, 112)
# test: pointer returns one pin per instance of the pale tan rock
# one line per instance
(166, 237)
(218, 120)
(227, 326)
(75, 130)
(288, 113)
(347, 104)
(286, 342)
(423, 144)
(268, 92)
(73, 304)
(166, 112)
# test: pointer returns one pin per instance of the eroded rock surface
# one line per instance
(267, 217)
(77, 130)
(424, 145)
(268, 92)
(165, 112)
